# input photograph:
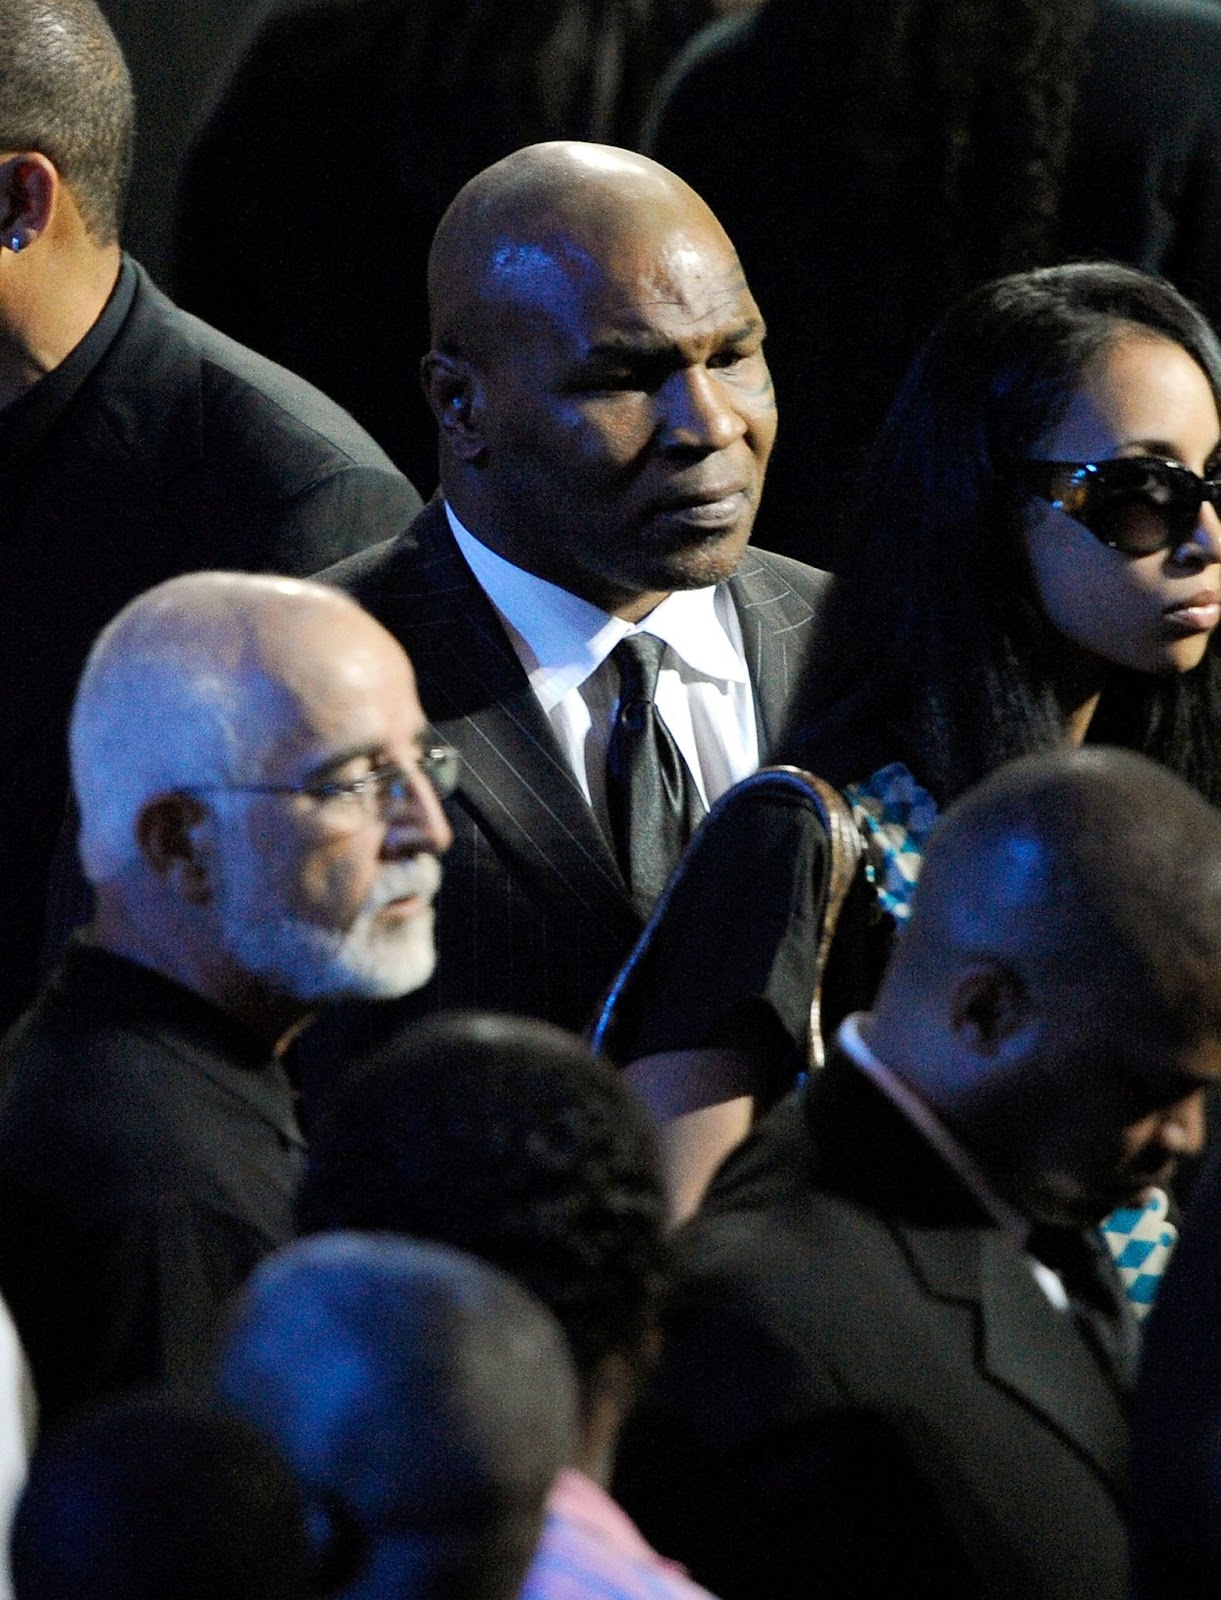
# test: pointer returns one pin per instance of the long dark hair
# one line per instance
(935, 648)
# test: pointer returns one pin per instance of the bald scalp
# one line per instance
(1085, 870)
(560, 208)
(184, 686)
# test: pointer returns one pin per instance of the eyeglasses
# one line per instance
(1134, 504)
(374, 794)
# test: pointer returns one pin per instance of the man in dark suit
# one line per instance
(135, 443)
(899, 1356)
(606, 417)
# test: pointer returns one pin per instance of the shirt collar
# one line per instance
(27, 419)
(562, 639)
(925, 1120)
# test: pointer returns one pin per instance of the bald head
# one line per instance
(597, 373)
(1089, 868)
(425, 1391)
(557, 212)
(1060, 980)
(198, 682)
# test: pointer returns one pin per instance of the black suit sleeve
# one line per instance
(782, 1488)
(340, 515)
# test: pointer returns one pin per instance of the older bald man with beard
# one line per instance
(261, 822)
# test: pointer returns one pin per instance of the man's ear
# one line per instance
(174, 834)
(451, 387)
(989, 1011)
(29, 183)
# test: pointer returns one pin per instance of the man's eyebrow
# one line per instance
(645, 344)
(627, 344)
(322, 770)
(753, 328)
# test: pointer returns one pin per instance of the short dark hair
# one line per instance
(158, 1495)
(504, 1137)
(65, 91)
(425, 1392)
(934, 631)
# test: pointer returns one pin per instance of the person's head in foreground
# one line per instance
(504, 1137)
(425, 1401)
(259, 811)
(597, 374)
(156, 1496)
(1056, 997)
(1037, 553)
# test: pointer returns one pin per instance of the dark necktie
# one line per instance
(1095, 1296)
(652, 798)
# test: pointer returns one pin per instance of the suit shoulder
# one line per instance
(249, 410)
(769, 575)
(416, 562)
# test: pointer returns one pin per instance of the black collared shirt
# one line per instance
(149, 1151)
(27, 419)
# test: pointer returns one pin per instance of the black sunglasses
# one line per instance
(1135, 504)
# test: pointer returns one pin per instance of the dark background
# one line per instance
(176, 49)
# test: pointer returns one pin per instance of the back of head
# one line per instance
(504, 1137)
(425, 1400)
(947, 583)
(65, 92)
(1095, 867)
(155, 1496)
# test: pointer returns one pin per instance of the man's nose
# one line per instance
(415, 819)
(700, 410)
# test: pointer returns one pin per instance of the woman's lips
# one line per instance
(1199, 613)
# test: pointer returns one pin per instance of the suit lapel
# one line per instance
(1024, 1345)
(777, 638)
(1027, 1347)
(516, 781)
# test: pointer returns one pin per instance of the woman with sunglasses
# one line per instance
(1036, 559)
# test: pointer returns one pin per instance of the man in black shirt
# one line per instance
(261, 827)
(135, 442)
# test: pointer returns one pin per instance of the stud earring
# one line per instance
(15, 243)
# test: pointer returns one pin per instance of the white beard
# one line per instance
(367, 961)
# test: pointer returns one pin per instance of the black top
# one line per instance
(27, 419)
(149, 1151)
(730, 958)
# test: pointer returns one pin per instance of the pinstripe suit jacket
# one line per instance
(533, 916)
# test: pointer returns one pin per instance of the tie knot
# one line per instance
(638, 658)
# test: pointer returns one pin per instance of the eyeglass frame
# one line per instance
(391, 783)
(1039, 476)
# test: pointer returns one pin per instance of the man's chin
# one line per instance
(318, 967)
(700, 564)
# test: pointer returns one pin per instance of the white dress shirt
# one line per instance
(960, 1161)
(704, 694)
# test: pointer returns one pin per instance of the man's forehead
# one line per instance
(635, 294)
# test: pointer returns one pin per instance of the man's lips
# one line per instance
(407, 888)
(705, 507)
(1199, 613)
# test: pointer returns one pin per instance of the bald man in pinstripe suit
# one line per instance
(606, 416)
